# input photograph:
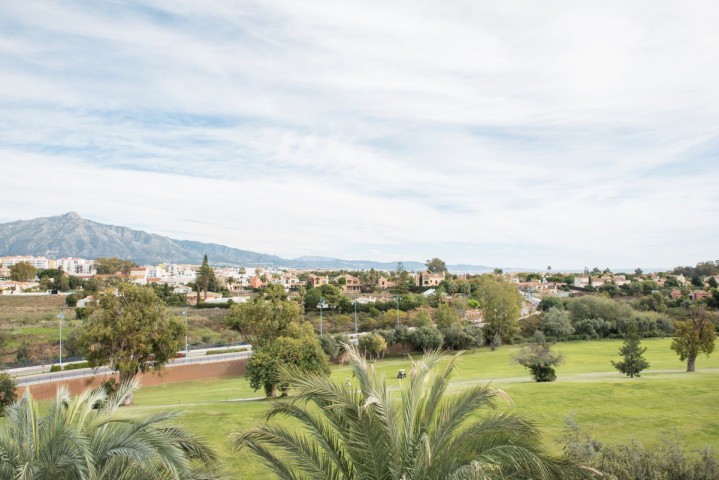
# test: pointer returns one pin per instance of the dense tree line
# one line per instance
(595, 316)
(702, 269)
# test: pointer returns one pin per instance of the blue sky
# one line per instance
(516, 134)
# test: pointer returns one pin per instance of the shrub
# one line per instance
(540, 360)
(496, 342)
(71, 300)
(556, 323)
(551, 302)
(421, 317)
(592, 328)
(7, 391)
(76, 366)
(330, 345)
(477, 333)
(598, 307)
(389, 336)
(427, 338)
(227, 350)
(23, 355)
(69, 366)
(213, 305)
(72, 346)
(528, 325)
(373, 344)
(456, 338)
(81, 313)
(634, 461)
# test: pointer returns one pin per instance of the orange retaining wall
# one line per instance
(171, 374)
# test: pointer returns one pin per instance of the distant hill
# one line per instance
(70, 235)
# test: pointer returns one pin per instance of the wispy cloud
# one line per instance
(498, 133)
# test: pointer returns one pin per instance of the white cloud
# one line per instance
(498, 133)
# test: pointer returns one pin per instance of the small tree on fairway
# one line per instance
(634, 361)
(540, 360)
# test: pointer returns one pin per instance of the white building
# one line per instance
(177, 274)
(138, 275)
(79, 267)
(41, 263)
(155, 271)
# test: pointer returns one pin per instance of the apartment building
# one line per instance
(41, 263)
(79, 267)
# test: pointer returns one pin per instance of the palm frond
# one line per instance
(363, 432)
(75, 439)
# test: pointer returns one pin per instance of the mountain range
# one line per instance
(70, 235)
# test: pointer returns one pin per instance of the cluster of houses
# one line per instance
(238, 279)
(235, 279)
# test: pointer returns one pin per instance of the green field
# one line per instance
(665, 400)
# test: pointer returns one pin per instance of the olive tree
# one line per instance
(539, 359)
(131, 331)
(556, 323)
(694, 336)
(299, 348)
(373, 344)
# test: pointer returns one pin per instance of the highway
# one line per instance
(41, 373)
(44, 377)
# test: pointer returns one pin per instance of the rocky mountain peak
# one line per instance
(72, 216)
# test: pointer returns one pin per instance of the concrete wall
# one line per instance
(172, 374)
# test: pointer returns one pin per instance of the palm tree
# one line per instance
(361, 432)
(88, 438)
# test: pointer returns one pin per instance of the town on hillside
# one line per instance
(39, 275)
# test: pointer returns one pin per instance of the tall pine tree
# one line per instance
(634, 361)
(205, 280)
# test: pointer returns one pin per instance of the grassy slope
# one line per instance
(664, 400)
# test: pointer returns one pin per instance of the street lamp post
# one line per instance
(397, 311)
(187, 331)
(321, 305)
(355, 304)
(60, 316)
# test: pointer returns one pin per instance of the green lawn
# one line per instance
(665, 400)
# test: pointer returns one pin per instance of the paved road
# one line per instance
(88, 372)
(41, 373)
(35, 369)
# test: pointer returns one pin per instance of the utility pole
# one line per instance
(397, 311)
(60, 316)
(187, 331)
(321, 305)
(355, 304)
